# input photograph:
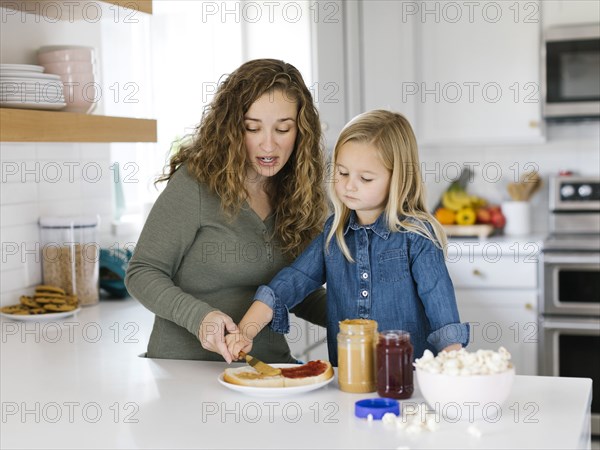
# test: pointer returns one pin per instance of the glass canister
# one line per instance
(356, 355)
(71, 256)
(394, 364)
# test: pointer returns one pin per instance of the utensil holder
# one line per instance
(518, 218)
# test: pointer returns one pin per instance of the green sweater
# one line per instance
(190, 260)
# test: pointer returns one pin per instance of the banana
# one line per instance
(456, 200)
(477, 202)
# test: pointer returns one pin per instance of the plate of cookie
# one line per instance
(47, 303)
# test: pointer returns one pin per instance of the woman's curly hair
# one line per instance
(217, 156)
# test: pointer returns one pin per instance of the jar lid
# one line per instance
(358, 325)
(395, 335)
(377, 407)
(69, 222)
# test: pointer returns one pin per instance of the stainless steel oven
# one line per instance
(569, 313)
(571, 348)
(571, 284)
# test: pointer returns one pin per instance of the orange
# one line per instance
(445, 216)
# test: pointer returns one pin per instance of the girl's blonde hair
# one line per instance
(391, 134)
(217, 155)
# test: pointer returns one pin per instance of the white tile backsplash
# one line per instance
(46, 179)
(571, 146)
(58, 151)
(20, 248)
(17, 151)
(18, 214)
(18, 193)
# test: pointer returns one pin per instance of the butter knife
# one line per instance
(260, 366)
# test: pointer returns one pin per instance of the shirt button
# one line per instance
(365, 275)
(365, 293)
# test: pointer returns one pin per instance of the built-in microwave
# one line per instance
(571, 72)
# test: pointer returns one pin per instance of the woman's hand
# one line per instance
(212, 333)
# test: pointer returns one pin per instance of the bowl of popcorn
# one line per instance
(462, 385)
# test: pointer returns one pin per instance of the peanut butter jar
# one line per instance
(356, 355)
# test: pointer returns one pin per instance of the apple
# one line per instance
(484, 215)
(497, 219)
(494, 209)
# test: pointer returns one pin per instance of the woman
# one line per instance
(243, 199)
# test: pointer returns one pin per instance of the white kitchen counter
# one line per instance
(78, 383)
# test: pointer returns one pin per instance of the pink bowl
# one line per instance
(55, 54)
(60, 68)
(81, 92)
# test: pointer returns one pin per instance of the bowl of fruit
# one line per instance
(463, 214)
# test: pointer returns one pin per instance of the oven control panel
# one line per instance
(580, 192)
(574, 193)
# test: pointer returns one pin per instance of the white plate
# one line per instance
(274, 391)
(9, 82)
(26, 96)
(40, 317)
(21, 68)
(28, 76)
(31, 98)
(33, 105)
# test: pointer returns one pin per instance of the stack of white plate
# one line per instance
(25, 86)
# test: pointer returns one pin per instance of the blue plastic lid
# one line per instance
(377, 407)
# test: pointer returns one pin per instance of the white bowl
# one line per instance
(466, 397)
(69, 67)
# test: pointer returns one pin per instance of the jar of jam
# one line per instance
(356, 355)
(394, 364)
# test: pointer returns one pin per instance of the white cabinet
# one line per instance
(498, 297)
(464, 73)
(477, 73)
(569, 12)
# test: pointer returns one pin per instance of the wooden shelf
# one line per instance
(61, 10)
(24, 125)
(137, 5)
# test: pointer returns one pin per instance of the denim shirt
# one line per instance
(399, 279)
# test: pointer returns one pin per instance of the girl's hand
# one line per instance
(212, 333)
(236, 343)
(452, 347)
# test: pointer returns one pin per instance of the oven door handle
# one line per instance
(572, 258)
(581, 324)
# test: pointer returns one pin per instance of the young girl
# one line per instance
(380, 253)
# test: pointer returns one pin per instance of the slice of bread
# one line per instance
(301, 375)
(249, 376)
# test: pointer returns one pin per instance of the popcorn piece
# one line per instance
(414, 419)
(461, 362)
(474, 431)
(389, 419)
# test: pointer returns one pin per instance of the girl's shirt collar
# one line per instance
(380, 227)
